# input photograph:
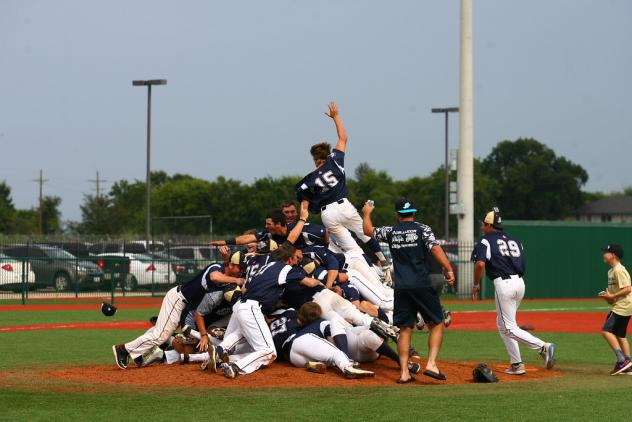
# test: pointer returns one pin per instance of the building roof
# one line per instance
(610, 205)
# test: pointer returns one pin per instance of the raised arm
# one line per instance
(342, 134)
(367, 224)
(300, 224)
(244, 239)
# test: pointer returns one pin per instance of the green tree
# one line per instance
(7, 209)
(534, 182)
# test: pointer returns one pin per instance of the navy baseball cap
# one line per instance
(404, 206)
(615, 249)
(108, 309)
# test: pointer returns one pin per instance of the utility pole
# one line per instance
(41, 182)
(98, 182)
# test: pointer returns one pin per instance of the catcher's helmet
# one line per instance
(108, 309)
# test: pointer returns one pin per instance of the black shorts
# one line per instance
(616, 324)
(408, 302)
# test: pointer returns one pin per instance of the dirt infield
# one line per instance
(280, 374)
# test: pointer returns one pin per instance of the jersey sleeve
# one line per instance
(383, 234)
(325, 329)
(339, 158)
(209, 303)
(622, 277)
(293, 275)
(428, 237)
(482, 251)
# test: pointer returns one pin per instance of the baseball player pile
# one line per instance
(314, 296)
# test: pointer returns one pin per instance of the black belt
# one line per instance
(340, 201)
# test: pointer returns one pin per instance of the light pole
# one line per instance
(446, 111)
(148, 84)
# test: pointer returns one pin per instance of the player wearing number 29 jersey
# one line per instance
(503, 256)
(503, 259)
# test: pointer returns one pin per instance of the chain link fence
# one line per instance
(62, 268)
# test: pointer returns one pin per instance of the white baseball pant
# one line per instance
(340, 219)
(249, 323)
(310, 347)
(363, 344)
(371, 288)
(334, 305)
(509, 294)
(168, 319)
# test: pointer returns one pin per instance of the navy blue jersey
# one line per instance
(324, 256)
(195, 289)
(320, 328)
(312, 234)
(267, 285)
(326, 184)
(253, 264)
(296, 295)
(283, 329)
(503, 256)
(410, 244)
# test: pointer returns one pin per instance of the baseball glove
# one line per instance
(483, 373)
(182, 344)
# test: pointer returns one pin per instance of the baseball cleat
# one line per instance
(211, 362)
(516, 369)
(420, 323)
(229, 370)
(154, 355)
(548, 354)
(447, 318)
(621, 367)
(351, 372)
(414, 367)
(317, 367)
(384, 330)
(120, 356)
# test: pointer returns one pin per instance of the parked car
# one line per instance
(185, 269)
(202, 255)
(14, 272)
(55, 267)
(144, 271)
(133, 246)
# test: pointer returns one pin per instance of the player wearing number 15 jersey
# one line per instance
(326, 191)
(503, 259)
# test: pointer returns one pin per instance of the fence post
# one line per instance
(112, 280)
(76, 278)
(24, 281)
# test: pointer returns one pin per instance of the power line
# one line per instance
(98, 182)
(41, 182)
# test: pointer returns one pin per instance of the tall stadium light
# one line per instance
(465, 170)
(446, 169)
(148, 83)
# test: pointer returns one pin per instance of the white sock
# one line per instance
(172, 356)
(198, 357)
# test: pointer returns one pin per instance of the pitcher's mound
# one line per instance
(279, 374)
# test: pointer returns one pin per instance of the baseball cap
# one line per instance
(108, 309)
(266, 246)
(493, 217)
(404, 206)
(615, 249)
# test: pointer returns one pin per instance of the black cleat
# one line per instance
(120, 356)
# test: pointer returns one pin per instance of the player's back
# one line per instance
(319, 327)
(326, 184)
(283, 328)
(503, 255)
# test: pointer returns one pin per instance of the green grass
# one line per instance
(536, 306)
(582, 393)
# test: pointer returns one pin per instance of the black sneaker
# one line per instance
(120, 356)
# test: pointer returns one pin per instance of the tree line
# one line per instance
(524, 178)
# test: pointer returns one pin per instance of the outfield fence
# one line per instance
(53, 268)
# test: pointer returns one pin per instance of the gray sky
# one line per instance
(249, 82)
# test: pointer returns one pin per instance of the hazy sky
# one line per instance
(248, 82)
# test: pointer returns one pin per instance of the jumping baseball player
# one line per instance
(171, 309)
(502, 257)
(248, 321)
(304, 339)
(326, 190)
